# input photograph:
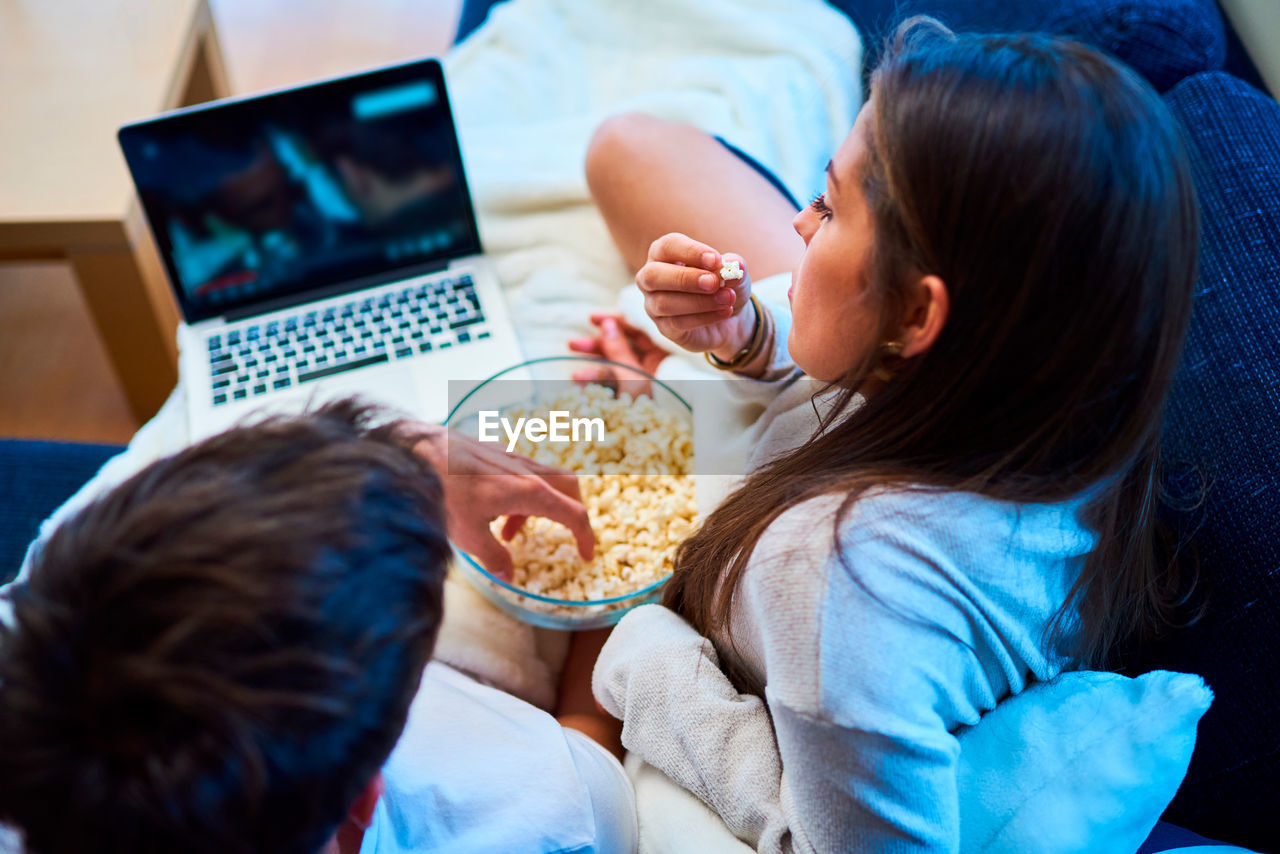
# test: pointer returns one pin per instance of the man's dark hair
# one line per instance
(219, 654)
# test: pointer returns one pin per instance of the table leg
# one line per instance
(124, 282)
(125, 288)
(208, 79)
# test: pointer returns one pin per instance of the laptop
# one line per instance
(321, 242)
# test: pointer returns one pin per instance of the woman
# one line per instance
(996, 281)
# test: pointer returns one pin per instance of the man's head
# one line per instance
(220, 654)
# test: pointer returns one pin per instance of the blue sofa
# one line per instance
(1222, 429)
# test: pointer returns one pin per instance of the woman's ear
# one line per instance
(927, 311)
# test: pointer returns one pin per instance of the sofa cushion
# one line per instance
(35, 477)
(1223, 425)
(1165, 40)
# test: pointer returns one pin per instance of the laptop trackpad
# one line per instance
(388, 385)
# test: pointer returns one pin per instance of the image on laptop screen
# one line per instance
(304, 189)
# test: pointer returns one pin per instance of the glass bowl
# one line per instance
(549, 613)
(527, 385)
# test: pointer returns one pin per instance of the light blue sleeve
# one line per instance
(881, 775)
(866, 680)
(789, 776)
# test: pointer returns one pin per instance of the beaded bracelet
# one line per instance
(754, 346)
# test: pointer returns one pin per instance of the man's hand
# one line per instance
(482, 483)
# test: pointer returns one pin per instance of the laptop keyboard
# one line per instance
(258, 358)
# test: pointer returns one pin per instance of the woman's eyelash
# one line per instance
(819, 205)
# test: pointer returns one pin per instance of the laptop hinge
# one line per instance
(300, 297)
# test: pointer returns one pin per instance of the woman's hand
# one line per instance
(686, 298)
(620, 342)
(482, 483)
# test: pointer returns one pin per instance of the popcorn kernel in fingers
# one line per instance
(731, 271)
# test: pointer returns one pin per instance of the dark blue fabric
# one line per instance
(1223, 424)
(1164, 40)
(1169, 837)
(473, 14)
(35, 478)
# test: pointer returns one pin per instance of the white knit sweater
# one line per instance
(932, 610)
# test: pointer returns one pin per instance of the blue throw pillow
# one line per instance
(1164, 40)
(1223, 424)
(1084, 763)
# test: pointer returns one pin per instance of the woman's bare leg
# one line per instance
(576, 708)
(650, 177)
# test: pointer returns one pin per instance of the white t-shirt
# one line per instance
(478, 770)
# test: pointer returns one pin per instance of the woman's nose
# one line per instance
(802, 225)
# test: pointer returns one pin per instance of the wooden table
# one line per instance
(71, 73)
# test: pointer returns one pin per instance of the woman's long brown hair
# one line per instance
(1049, 188)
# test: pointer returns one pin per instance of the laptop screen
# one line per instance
(341, 182)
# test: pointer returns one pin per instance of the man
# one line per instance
(220, 654)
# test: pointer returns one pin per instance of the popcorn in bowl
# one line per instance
(641, 503)
(636, 482)
(639, 521)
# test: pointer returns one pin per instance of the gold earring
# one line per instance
(888, 350)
